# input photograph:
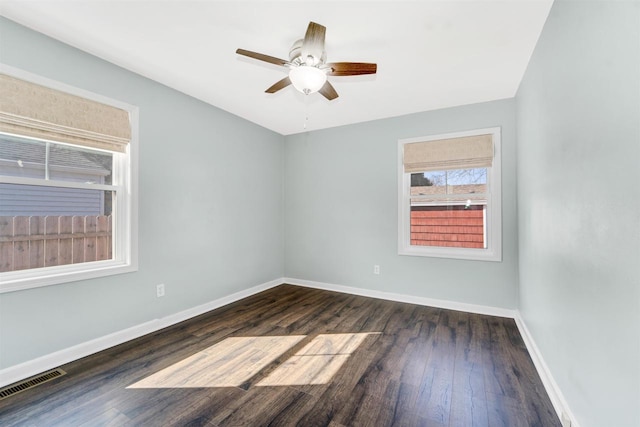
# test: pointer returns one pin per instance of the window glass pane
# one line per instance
(448, 208)
(448, 225)
(19, 199)
(68, 163)
(33, 159)
(456, 181)
(21, 157)
(48, 226)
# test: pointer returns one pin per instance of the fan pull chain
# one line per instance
(306, 111)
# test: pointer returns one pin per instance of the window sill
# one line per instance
(451, 253)
(36, 278)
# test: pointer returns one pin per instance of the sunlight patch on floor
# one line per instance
(235, 360)
(317, 362)
(228, 363)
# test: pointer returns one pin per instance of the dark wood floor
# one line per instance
(421, 366)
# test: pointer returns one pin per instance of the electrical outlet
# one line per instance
(376, 269)
(160, 290)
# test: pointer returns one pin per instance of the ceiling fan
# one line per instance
(308, 69)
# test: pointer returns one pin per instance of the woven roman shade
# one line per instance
(32, 110)
(455, 153)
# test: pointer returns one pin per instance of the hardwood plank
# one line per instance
(109, 418)
(341, 360)
(273, 407)
(317, 362)
(196, 407)
(345, 382)
(374, 410)
(404, 408)
(500, 378)
(468, 402)
(437, 381)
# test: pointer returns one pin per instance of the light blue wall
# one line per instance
(341, 210)
(578, 218)
(578, 111)
(211, 202)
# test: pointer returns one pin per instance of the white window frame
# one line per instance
(125, 222)
(493, 219)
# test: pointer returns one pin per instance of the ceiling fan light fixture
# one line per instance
(308, 67)
(307, 79)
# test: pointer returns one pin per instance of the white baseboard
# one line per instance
(212, 305)
(450, 305)
(32, 367)
(27, 369)
(557, 398)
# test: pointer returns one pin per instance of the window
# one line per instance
(67, 183)
(449, 196)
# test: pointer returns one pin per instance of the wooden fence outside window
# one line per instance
(43, 241)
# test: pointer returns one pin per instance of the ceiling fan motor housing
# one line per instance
(296, 50)
(295, 55)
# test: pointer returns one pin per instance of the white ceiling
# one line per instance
(430, 54)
